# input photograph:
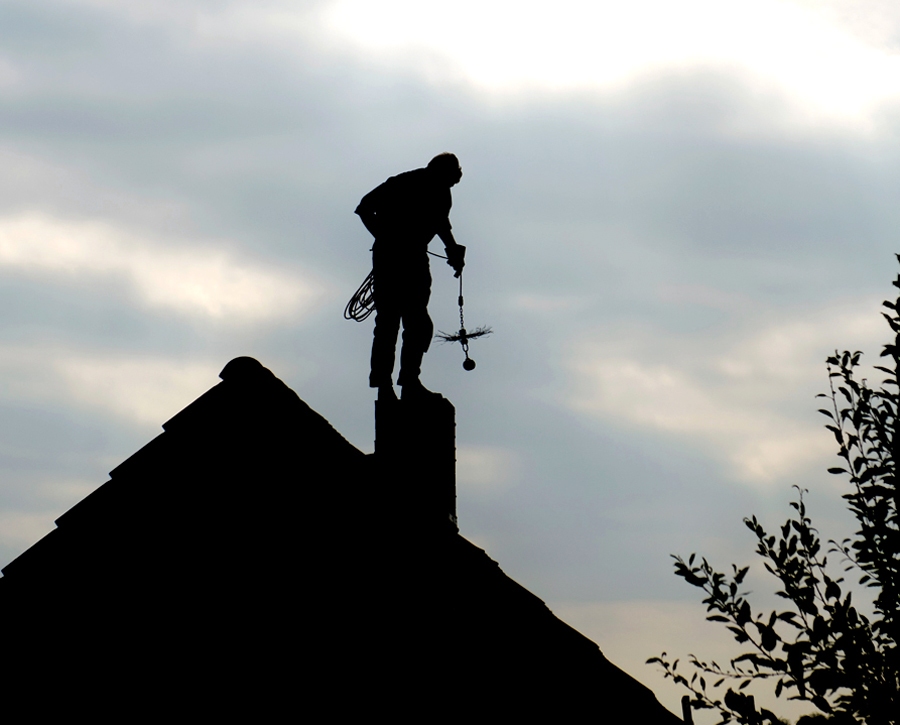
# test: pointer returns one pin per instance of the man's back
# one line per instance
(411, 207)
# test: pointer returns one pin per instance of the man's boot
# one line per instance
(386, 393)
(414, 390)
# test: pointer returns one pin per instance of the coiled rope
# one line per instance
(362, 304)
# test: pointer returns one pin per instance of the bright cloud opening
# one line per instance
(736, 403)
(483, 469)
(144, 390)
(509, 44)
(194, 281)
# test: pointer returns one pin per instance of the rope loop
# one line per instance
(362, 304)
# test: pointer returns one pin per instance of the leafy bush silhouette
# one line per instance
(821, 649)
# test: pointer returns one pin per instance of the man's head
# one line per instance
(447, 167)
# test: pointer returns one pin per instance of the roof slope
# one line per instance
(250, 558)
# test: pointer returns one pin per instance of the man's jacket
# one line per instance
(407, 210)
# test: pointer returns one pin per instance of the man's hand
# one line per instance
(456, 258)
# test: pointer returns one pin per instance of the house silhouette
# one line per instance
(250, 562)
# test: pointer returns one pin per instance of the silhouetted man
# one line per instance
(404, 214)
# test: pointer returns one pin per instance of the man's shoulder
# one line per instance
(418, 189)
(416, 176)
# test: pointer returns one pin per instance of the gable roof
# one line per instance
(250, 557)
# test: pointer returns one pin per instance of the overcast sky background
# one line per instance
(673, 211)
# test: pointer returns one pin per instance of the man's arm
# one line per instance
(456, 253)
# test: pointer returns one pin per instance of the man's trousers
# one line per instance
(402, 291)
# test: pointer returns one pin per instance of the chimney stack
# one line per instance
(415, 455)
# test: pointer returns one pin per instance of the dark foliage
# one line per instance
(820, 648)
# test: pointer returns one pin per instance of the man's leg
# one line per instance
(384, 342)
(388, 310)
(417, 332)
(418, 329)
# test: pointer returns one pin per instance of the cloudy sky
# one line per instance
(674, 212)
